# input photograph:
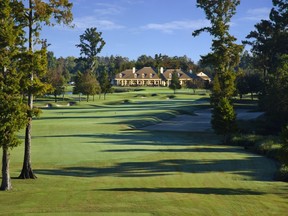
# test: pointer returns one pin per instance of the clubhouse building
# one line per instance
(147, 76)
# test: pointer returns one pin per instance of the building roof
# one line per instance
(203, 76)
(124, 74)
(181, 74)
(147, 73)
(144, 73)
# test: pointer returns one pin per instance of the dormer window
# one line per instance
(170, 75)
(151, 75)
(135, 75)
(120, 75)
(143, 76)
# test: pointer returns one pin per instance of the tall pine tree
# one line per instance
(224, 57)
(38, 13)
(12, 109)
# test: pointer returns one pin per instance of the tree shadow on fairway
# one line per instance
(243, 167)
(141, 138)
(180, 150)
(204, 191)
(157, 138)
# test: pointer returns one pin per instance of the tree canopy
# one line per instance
(91, 44)
(175, 83)
(12, 109)
(269, 43)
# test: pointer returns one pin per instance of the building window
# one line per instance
(143, 76)
(135, 75)
(170, 75)
(120, 75)
(151, 75)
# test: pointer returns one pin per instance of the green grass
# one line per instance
(90, 161)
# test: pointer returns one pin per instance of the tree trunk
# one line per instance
(27, 172)
(6, 180)
(226, 138)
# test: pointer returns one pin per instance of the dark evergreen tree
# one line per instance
(224, 57)
(12, 109)
(104, 82)
(91, 44)
(175, 83)
(269, 43)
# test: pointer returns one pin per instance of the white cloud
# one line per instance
(133, 2)
(257, 14)
(170, 27)
(108, 9)
(91, 21)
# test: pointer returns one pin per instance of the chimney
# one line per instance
(190, 71)
(134, 70)
(161, 70)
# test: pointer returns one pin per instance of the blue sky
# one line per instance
(135, 27)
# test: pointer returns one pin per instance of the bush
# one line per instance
(245, 140)
(263, 145)
(282, 174)
(284, 147)
(270, 148)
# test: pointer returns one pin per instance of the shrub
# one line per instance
(245, 140)
(264, 146)
(284, 146)
(282, 174)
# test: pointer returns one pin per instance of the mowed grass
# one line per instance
(92, 159)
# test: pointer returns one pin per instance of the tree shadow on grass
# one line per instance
(204, 191)
(145, 138)
(201, 149)
(241, 167)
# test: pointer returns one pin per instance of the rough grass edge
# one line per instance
(269, 146)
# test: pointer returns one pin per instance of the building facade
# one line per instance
(143, 77)
(147, 76)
